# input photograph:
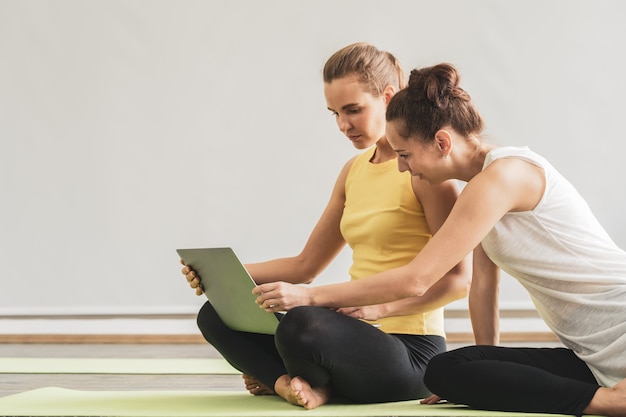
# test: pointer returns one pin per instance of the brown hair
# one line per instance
(375, 68)
(433, 100)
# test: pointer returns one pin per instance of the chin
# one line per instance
(361, 145)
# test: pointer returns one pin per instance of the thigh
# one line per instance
(557, 361)
(359, 361)
(513, 379)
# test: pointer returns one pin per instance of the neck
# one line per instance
(472, 161)
(383, 152)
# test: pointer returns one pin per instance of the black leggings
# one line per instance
(540, 380)
(356, 360)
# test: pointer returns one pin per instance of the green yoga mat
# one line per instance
(114, 366)
(65, 402)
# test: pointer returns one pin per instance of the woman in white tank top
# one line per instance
(519, 214)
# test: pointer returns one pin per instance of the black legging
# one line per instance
(540, 380)
(357, 361)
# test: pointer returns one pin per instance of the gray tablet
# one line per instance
(228, 286)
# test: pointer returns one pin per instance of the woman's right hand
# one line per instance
(192, 278)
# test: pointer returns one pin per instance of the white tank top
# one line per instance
(574, 272)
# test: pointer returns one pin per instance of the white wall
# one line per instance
(131, 128)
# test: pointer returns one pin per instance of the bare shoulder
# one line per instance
(348, 165)
(520, 180)
(436, 200)
(423, 189)
(340, 183)
(512, 167)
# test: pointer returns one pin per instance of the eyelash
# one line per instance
(350, 111)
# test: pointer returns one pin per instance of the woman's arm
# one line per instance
(506, 185)
(437, 202)
(322, 246)
(483, 299)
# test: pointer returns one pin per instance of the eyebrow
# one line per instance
(345, 106)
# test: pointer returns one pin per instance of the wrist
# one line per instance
(384, 310)
(313, 297)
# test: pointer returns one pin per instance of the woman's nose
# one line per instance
(343, 123)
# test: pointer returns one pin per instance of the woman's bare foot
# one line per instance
(297, 391)
(256, 387)
(307, 396)
(282, 387)
(609, 401)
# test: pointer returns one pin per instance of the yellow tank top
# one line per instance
(384, 224)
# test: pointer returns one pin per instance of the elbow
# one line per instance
(308, 280)
(411, 283)
(463, 289)
(462, 281)
(305, 270)
(414, 288)
(415, 291)
(457, 283)
(308, 274)
(460, 278)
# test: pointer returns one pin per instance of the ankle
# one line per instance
(607, 402)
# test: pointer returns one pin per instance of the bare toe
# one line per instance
(307, 396)
(256, 387)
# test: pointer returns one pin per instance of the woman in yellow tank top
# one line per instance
(365, 354)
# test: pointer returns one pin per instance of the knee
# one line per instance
(299, 326)
(209, 322)
(302, 318)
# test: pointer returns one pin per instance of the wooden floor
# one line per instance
(16, 383)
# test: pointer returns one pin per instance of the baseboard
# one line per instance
(507, 337)
(196, 339)
(515, 326)
(101, 339)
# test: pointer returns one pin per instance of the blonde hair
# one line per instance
(375, 68)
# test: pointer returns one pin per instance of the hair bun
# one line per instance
(438, 84)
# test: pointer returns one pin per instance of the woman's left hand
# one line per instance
(281, 296)
(371, 313)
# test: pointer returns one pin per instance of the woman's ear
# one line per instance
(443, 140)
(388, 92)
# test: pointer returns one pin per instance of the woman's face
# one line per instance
(359, 115)
(420, 159)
